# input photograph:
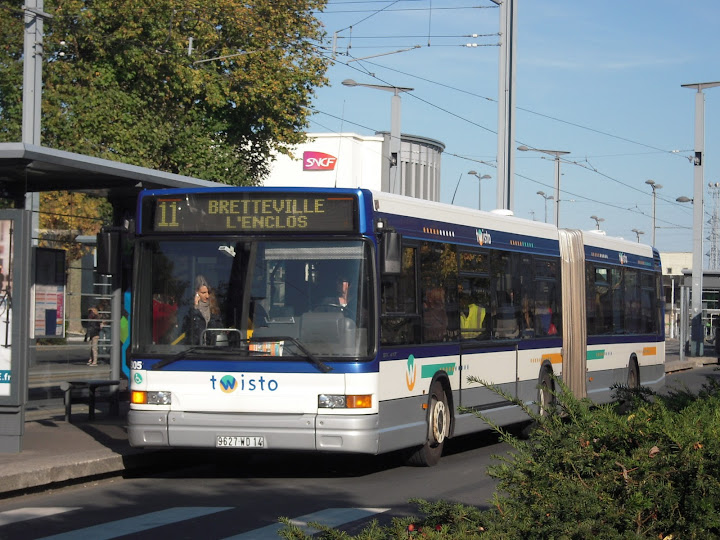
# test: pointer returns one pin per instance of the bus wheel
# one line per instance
(633, 380)
(438, 429)
(546, 399)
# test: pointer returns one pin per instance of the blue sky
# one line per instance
(599, 79)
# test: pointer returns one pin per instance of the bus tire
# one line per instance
(633, 379)
(546, 397)
(438, 429)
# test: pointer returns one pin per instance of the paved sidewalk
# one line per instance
(55, 451)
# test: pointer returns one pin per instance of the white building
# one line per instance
(352, 160)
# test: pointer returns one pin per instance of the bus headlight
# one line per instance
(342, 401)
(151, 398)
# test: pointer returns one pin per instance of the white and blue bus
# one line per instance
(348, 320)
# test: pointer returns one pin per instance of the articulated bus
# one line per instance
(348, 320)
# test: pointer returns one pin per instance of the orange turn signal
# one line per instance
(139, 398)
(359, 401)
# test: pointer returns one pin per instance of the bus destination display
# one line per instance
(253, 212)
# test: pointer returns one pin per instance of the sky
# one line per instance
(599, 79)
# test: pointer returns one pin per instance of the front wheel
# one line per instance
(438, 428)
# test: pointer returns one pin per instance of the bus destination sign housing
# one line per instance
(248, 212)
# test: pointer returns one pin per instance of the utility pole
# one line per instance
(32, 92)
(506, 105)
(32, 75)
(696, 327)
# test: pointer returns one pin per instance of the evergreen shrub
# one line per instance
(646, 466)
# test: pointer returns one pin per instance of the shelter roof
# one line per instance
(29, 168)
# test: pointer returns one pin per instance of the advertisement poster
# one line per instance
(5, 305)
(48, 293)
(49, 310)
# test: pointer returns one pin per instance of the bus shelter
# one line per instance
(42, 296)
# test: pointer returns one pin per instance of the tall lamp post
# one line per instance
(547, 198)
(696, 327)
(598, 220)
(655, 186)
(393, 176)
(480, 179)
(556, 155)
(638, 233)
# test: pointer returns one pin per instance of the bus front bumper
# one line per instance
(332, 433)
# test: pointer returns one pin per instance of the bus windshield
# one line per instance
(224, 298)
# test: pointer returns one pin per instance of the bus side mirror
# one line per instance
(108, 252)
(391, 264)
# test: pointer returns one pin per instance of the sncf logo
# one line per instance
(318, 161)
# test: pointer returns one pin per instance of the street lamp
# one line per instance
(638, 233)
(480, 179)
(696, 336)
(598, 220)
(547, 198)
(394, 127)
(556, 154)
(654, 187)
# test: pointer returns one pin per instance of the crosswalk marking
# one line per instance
(113, 529)
(23, 514)
(332, 517)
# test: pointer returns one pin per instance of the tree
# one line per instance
(205, 88)
(66, 215)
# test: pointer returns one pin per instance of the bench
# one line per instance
(91, 385)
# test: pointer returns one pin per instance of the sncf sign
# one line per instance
(318, 161)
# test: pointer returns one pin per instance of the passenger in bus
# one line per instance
(204, 314)
(435, 320)
(472, 317)
(527, 319)
(543, 315)
(164, 310)
(506, 316)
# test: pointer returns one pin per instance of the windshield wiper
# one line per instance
(179, 356)
(322, 366)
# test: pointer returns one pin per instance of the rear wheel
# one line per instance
(438, 428)
(633, 380)
(546, 399)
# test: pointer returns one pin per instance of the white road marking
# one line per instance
(24, 514)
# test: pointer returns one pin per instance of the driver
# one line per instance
(341, 296)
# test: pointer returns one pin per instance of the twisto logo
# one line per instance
(411, 372)
(318, 161)
(228, 384)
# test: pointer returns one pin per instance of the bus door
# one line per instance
(489, 330)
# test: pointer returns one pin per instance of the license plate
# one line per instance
(234, 441)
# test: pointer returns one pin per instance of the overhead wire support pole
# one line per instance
(32, 70)
(506, 104)
(696, 327)
(32, 92)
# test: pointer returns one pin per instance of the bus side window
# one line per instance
(399, 320)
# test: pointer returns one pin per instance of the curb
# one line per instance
(78, 472)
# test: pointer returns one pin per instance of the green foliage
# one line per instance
(65, 215)
(648, 472)
(647, 466)
(119, 82)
